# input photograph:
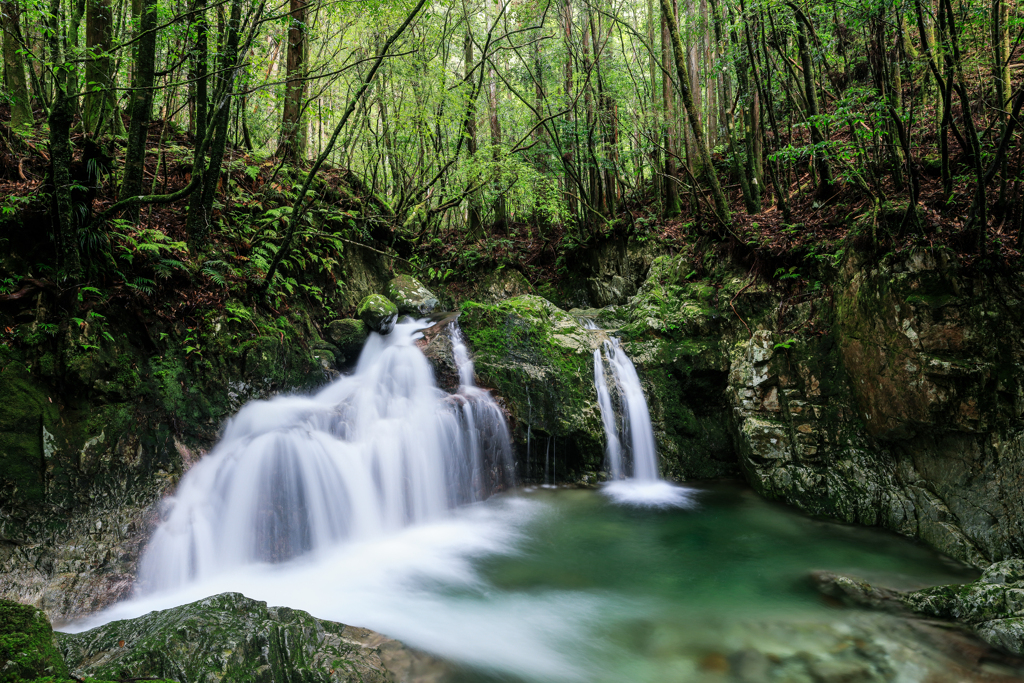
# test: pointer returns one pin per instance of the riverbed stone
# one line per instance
(378, 313)
(230, 637)
(411, 297)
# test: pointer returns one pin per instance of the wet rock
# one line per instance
(436, 345)
(411, 297)
(378, 313)
(348, 335)
(229, 637)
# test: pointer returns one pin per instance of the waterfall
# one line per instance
(370, 453)
(629, 446)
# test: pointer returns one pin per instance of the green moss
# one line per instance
(27, 645)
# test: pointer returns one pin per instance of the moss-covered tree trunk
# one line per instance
(669, 187)
(14, 68)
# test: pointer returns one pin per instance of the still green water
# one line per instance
(717, 591)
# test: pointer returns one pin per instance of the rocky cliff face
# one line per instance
(891, 396)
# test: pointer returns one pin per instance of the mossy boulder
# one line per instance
(27, 646)
(378, 313)
(540, 361)
(411, 297)
(501, 284)
(232, 638)
(347, 335)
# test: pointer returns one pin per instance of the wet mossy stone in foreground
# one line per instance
(378, 313)
(27, 648)
(232, 638)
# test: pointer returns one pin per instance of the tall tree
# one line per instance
(292, 145)
(100, 112)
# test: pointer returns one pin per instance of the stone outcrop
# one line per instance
(229, 637)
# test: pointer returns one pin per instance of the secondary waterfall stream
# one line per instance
(629, 436)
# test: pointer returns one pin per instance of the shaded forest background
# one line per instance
(194, 152)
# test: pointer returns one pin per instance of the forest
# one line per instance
(234, 145)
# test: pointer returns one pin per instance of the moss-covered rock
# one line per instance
(378, 313)
(27, 646)
(231, 638)
(411, 297)
(348, 335)
(503, 283)
(539, 360)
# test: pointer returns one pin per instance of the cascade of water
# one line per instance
(630, 448)
(372, 452)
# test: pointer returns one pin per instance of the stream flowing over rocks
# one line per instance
(891, 396)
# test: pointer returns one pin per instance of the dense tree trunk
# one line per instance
(475, 220)
(99, 112)
(200, 210)
(292, 146)
(60, 119)
(826, 189)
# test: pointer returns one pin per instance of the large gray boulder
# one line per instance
(411, 297)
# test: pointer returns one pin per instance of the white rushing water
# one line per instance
(629, 437)
(370, 453)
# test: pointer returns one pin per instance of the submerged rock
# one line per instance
(229, 637)
(411, 297)
(992, 606)
(378, 313)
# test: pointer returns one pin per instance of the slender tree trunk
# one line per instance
(60, 119)
(14, 68)
(475, 226)
(141, 105)
(199, 85)
(292, 145)
(500, 204)
(74, 23)
(200, 210)
(669, 185)
(721, 203)
(826, 187)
